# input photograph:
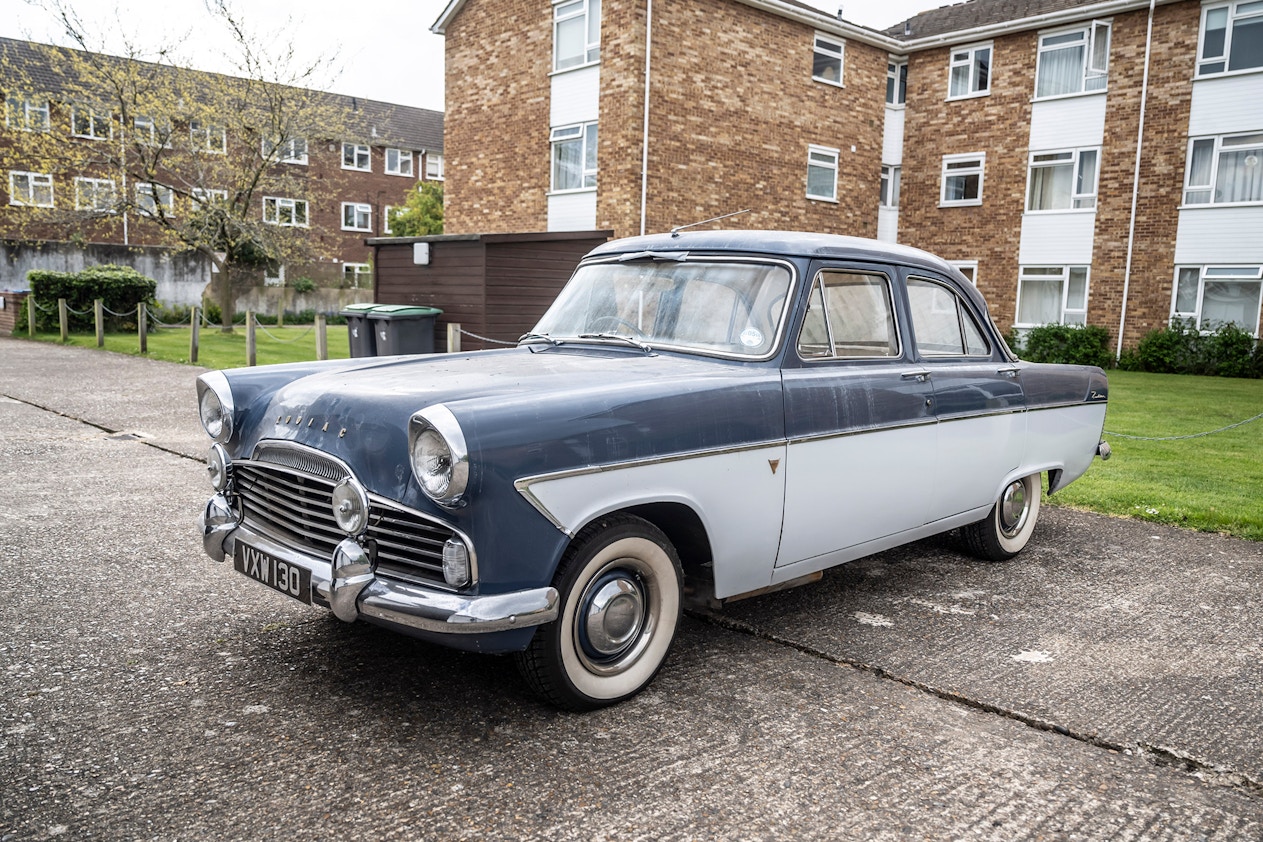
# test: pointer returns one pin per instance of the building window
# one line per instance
(1224, 170)
(274, 275)
(94, 125)
(356, 156)
(1073, 62)
(897, 82)
(576, 33)
(30, 189)
(1232, 37)
(288, 212)
(94, 194)
(826, 60)
(1062, 180)
(399, 162)
(204, 197)
(574, 157)
(968, 268)
(433, 166)
(822, 173)
(208, 137)
(357, 217)
(1052, 295)
(386, 220)
(962, 179)
(291, 151)
(27, 114)
(1213, 296)
(156, 200)
(970, 72)
(890, 176)
(150, 132)
(357, 275)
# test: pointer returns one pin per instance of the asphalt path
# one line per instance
(1106, 684)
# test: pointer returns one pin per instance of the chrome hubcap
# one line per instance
(1013, 508)
(613, 615)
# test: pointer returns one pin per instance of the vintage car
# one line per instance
(698, 417)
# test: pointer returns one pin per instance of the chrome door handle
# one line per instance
(919, 376)
(1010, 372)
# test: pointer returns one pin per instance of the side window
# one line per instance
(943, 324)
(849, 315)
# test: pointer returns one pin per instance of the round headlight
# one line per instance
(439, 458)
(350, 506)
(214, 405)
(217, 465)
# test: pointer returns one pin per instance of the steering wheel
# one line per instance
(616, 321)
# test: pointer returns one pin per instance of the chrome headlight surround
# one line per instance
(219, 466)
(215, 405)
(439, 455)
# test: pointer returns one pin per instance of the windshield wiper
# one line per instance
(628, 339)
(544, 336)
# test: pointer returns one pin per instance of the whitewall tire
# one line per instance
(1007, 528)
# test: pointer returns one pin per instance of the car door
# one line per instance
(861, 434)
(978, 398)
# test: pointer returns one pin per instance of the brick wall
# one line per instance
(499, 54)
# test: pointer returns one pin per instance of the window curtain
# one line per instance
(1050, 187)
(1060, 72)
(1240, 177)
(568, 165)
(1230, 301)
(1041, 303)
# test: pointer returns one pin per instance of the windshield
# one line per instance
(711, 306)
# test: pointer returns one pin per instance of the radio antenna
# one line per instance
(675, 232)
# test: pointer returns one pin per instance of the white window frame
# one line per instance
(897, 82)
(589, 11)
(274, 205)
(400, 156)
(1217, 150)
(274, 280)
(968, 268)
(361, 156)
(1224, 273)
(1042, 273)
(434, 166)
(290, 151)
(208, 137)
(952, 170)
(891, 178)
(832, 49)
(586, 135)
(1094, 37)
(1082, 197)
(357, 216)
(207, 195)
(1217, 65)
(34, 189)
(149, 195)
(19, 113)
(99, 125)
(93, 189)
(358, 271)
(818, 158)
(149, 132)
(967, 56)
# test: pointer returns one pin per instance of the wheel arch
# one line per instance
(687, 533)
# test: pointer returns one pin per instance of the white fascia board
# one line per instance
(439, 27)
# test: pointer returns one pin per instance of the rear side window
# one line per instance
(943, 324)
(849, 315)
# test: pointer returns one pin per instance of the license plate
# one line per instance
(289, 579)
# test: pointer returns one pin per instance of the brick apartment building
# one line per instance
(339, 181)
(1082, 162)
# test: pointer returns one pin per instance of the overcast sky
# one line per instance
(384, 48)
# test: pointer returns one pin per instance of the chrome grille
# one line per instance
(286, 494)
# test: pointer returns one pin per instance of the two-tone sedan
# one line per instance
(704, 415)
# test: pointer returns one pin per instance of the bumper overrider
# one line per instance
(347, 585)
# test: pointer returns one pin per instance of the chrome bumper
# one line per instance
(346, 585)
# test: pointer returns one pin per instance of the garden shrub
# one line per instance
(1182, 349)
(1072, 344)
(120, 287)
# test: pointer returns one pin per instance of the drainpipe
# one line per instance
(644, 141)
(122, 157)
(1135, 189)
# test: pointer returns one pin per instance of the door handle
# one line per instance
(919, 376)
(1012, 371)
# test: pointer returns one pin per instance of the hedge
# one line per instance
(120, 287)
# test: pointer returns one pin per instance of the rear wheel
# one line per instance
(619, 586)
(1008, 526)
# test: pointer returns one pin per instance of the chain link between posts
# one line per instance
(1183, 438)
(485, 339)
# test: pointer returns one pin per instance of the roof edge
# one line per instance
(1075, 13)
(439, 27)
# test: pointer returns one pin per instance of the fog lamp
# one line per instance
(456, 563)
(218, 466)
(350, 506)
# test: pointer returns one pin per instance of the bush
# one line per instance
(302, 285)
(1182, 349)
(1072, 344)
(121, 288)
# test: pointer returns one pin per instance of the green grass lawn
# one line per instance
(1213, 483)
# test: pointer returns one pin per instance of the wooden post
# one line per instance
(453, 337)
(250, 343)
(195, 324)
(63, 319)
(322, 337)
(98, 313)
(142, 326)
(30, 314)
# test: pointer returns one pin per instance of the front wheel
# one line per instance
(1008, 526)
(620, 604)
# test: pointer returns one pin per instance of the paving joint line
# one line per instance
(143, 439)
(1205, 771)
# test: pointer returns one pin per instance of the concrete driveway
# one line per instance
(1108, 683)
